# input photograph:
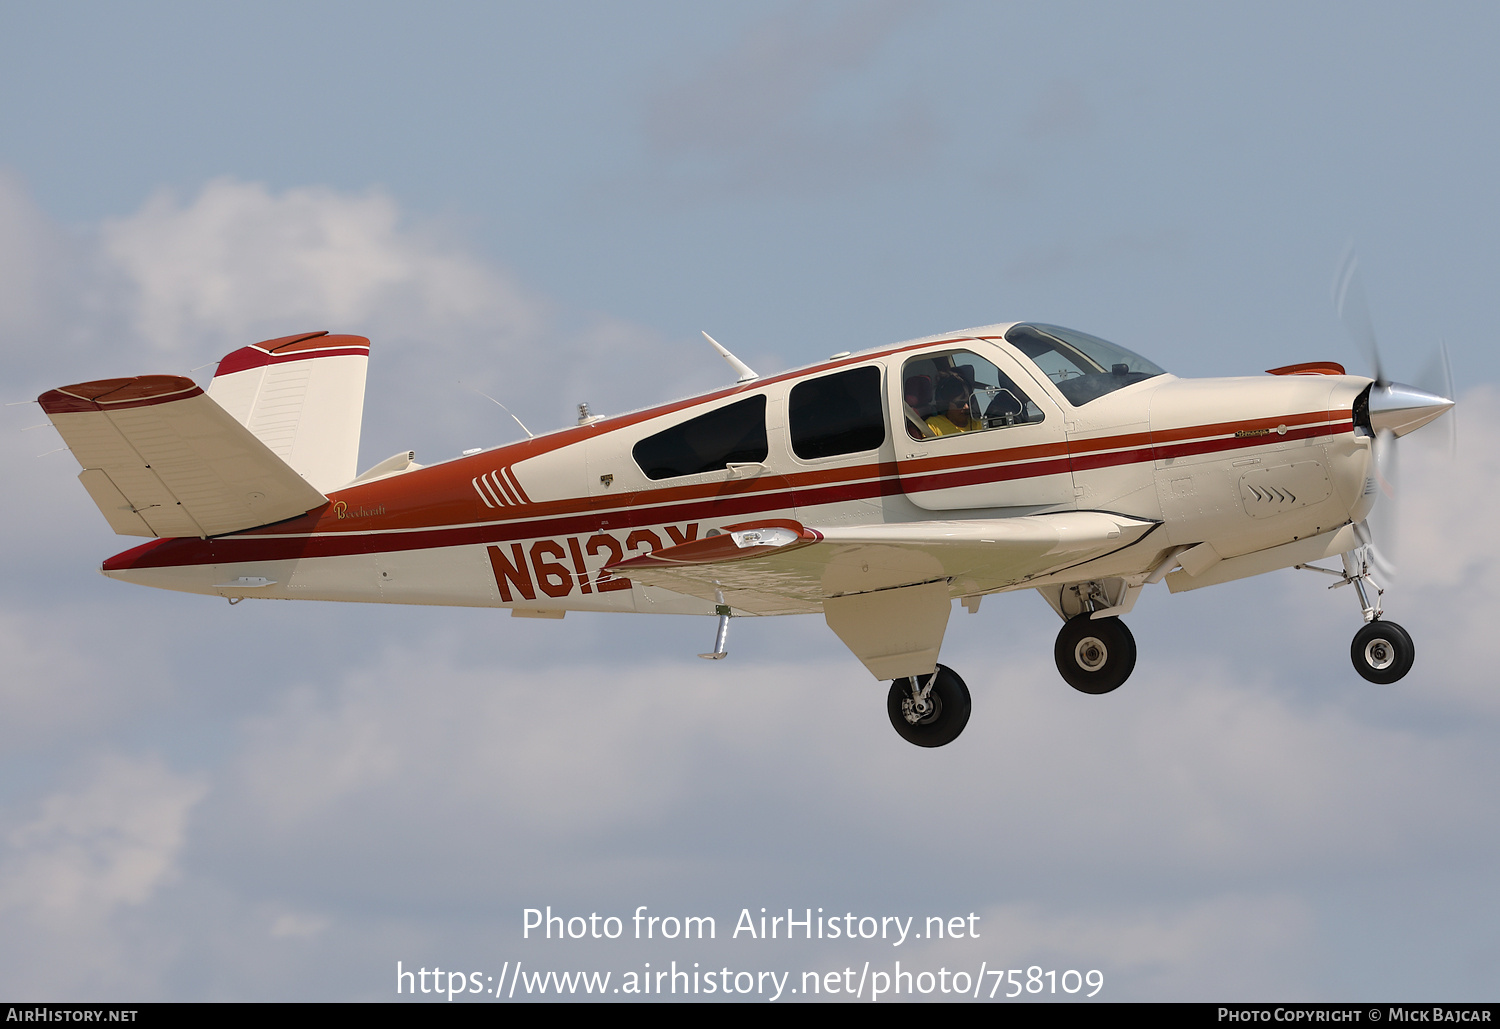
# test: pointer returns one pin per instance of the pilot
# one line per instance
(954, 404)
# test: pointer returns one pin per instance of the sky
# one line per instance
(546, 204)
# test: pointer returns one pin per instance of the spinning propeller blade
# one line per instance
(1354, 311)
(1395, 409)
(1437, 377)
(1382, 524)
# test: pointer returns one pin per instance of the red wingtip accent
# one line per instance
(270, 346)
(720, 549)
(1309, 368)
(115, 394)
(290, 348)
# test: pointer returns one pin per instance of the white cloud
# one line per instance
(1449, 557)
(85, 874)
(112, 841)
(29, 252)
(57, 686)
(181, 282)
(1447, 542)
(1194, 773)
(238, 262)
(555, 753)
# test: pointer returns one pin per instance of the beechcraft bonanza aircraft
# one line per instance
(876, 488)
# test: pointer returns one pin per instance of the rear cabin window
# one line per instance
(708, 443)
(837, 414)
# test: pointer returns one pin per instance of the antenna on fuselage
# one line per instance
(743, 370)
(506, 410)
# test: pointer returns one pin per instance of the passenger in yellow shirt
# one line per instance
(954, 401)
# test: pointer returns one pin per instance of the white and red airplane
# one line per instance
(876, 488)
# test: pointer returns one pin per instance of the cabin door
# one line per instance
(973, 431)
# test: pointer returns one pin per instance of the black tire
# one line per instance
(1094, 655)
(1382, 652)
(950, 703)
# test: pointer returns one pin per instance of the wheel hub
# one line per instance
(921, 707)
(1382, 652)
(1091, 653)
(928, 710)
(1094, 655)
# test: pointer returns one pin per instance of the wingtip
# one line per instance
(117, 394)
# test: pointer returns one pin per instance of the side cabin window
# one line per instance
(959, 391)
(732, 434)
(837, 414)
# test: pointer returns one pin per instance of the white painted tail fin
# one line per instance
(304, 398)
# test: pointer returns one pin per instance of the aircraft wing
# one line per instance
(780, 566)
(161, 458)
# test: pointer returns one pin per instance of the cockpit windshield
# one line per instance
(1083, 367)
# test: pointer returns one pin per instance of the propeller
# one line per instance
(1354, 311)
(1395, 409)
(1436, 377)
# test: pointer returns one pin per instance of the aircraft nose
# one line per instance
(1398, 408)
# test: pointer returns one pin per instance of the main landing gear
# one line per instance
(929, 710)
(1094, 655)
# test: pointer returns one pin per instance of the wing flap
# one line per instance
(777, 565)
(160, 458)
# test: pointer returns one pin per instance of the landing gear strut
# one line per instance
(929, 710)
(1094, 655)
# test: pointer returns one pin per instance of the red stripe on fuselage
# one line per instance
(168, 553)
(696, 503)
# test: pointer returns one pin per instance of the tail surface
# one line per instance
(161, 458)
(303, 397)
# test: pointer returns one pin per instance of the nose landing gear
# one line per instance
(929, 710)
(1382, 651)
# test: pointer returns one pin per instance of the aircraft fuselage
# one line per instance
(1238, 465)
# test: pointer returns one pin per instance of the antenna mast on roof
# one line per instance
(743, 370)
